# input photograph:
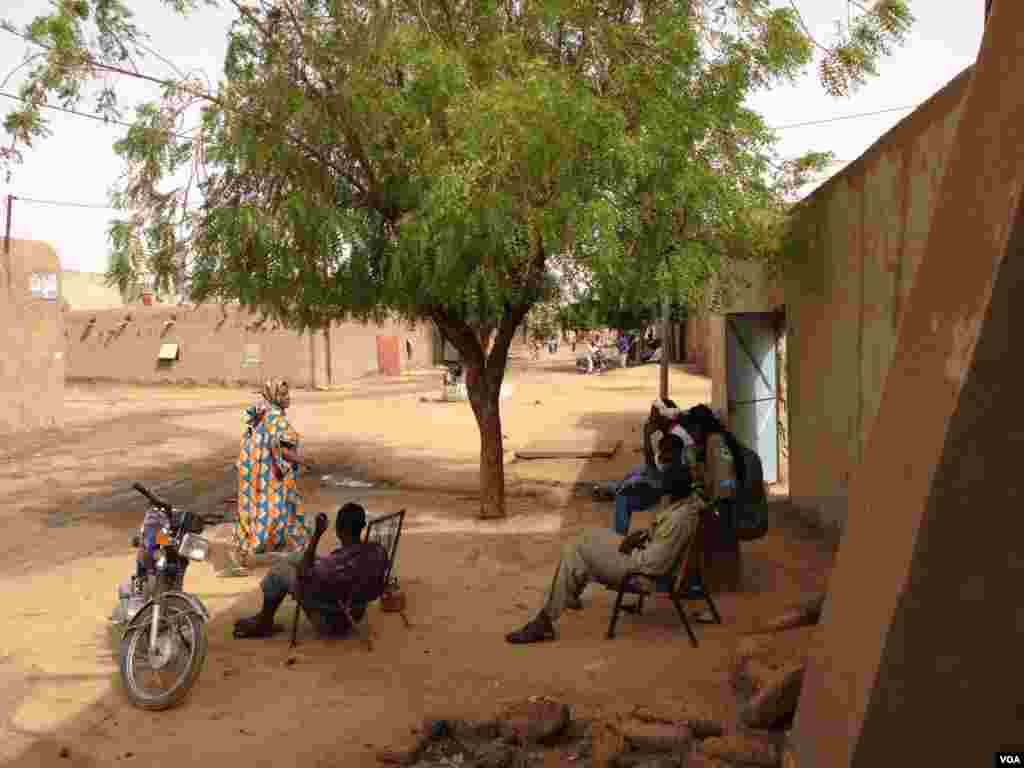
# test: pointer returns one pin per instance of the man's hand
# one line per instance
(304, 567)
(632, 541)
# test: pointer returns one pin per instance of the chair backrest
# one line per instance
(386, 530)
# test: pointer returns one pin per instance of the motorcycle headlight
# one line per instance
(194, 547)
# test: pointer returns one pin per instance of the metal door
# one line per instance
(751, 387)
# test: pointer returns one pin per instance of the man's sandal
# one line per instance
(252, 628)
(536, 631)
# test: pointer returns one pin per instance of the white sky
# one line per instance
(78, 164)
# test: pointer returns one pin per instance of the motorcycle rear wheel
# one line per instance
(184, 632)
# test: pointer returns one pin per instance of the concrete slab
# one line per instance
(570, 449)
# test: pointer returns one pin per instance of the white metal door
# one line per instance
(751, 385)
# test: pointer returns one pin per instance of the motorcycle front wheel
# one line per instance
(160, 678)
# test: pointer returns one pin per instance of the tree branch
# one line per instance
(96, 64)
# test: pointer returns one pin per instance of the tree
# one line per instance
(435, 158)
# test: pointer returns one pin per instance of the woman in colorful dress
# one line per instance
(270, 510)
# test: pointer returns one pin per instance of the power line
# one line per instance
(843, 117)
(62, 203)
(86, 114)
(117, 70)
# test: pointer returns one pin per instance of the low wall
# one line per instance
(228, 346)
(31, 328)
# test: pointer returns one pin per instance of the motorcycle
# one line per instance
(164, 633)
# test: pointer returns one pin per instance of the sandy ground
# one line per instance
(68, 514)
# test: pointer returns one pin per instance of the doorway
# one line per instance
(752, 384)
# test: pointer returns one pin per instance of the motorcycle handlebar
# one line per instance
(153, 498)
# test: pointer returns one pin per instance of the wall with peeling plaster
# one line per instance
(227, 347)
(31, 341)
(864, 232)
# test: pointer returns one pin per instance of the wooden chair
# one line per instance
(385, 530)
(683, 581)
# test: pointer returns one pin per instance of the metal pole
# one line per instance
(7, 233)
(329, 360)
(664, 347)
(312, 358)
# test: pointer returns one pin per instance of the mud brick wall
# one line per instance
(227, 346)
(31, 349)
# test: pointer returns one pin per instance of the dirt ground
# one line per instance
(68, 515)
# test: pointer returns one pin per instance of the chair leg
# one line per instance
(714, 609)
(295, 626)
(369, 631)
(686, 621)
(615, 615)
(640, 605)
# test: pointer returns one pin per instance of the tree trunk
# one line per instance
(484, 355)
(485, 398)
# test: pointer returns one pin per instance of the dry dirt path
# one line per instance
(67, 517)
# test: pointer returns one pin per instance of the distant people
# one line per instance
(270, 507)
(594, 359)
(625, 344)
(605, 557)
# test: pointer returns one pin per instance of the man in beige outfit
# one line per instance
(605, 557)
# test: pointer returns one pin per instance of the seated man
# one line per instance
(353, 574)
(642, 487)
(602, 556)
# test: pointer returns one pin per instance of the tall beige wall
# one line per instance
(31, 341)
(213, 346)
(918, 659)
(865, 232)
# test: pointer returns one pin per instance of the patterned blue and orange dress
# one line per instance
(270, 513)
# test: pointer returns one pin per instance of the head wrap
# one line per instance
(276, 392)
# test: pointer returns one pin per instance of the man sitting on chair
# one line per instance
(605, 557)
(350, 576)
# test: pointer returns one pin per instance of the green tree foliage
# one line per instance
(435, 158)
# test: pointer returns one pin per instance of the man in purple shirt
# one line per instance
(352, 575)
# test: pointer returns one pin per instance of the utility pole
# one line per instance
(665, 331)
(7, 231)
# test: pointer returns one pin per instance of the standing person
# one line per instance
(572, 340)
(625, 344)
(270, 507)
(718, 472)
(593, 355)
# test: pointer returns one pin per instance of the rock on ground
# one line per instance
(496, 755)
(606, 744)
(743, 749)
(539, 721)
(805, 613)
(701, 724)
(657, 737)
(758, 659)
(776, 699)
(700, 760)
